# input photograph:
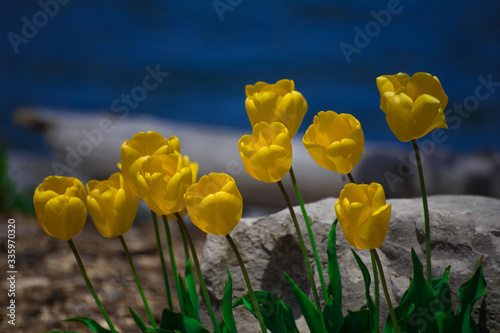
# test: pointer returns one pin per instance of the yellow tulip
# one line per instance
(335, 141)
(112, 205)
(193, 165)
(162, 182)
(214, 204)
(267, 153)
(138, 149)
(61, 206)
(363, 215)
(413, 106)
(276, 102)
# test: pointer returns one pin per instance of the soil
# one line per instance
(49, 287)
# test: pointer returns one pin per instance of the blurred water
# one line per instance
(92, 52)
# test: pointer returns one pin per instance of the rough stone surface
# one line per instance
(463, 228)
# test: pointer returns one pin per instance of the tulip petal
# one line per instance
(428, 114)
(356, 193)
(342, 156)
(262, 107)
(398, 109)
(175, 190)
(40, 199)
(372, 233)
(214, 204)
(424, 83)
(388, 83)
(219, 213)
(378, 196)
(64, 217)
(364, 224)
(98, 217)
(291, 111)
(272, 163)
(340, 128)
(283, 87)
(148, 143)
(250, 90)
(319, 131)
(346, 228)
(316, 151)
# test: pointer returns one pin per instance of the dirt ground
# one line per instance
(50, 288)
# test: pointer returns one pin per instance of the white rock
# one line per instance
(462, 229)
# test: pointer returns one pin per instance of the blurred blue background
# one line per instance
(91, 52)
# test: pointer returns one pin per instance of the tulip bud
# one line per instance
(277, 102)
(335, 141)
(363, 215)
(61, 206)
(162, 182)
(112, 205)
(214, 204)
(267, 153)
(138, 149)
(413, 106)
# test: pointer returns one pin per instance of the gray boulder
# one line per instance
(462, 229)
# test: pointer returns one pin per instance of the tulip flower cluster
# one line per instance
(153, 169)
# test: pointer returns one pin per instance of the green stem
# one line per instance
(377, 291)
(386, 292)
(172, 262)
(184, 242)
(162, 259)
(89, 285)
(247, 281)
(302, 246)
(134, 273)
(351, 179)
(310, 233)
(426, 212)
(180, 221)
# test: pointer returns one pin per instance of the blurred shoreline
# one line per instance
(87, 146)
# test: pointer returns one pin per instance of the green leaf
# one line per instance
(91, 323)
(192, 291)
(376, 314)
(369, 301)
(138, 320)
(280, 321)
(404, 311)
(357, 321)
(310, 312)
(228, 324)
(422, 295)
(332, 315)
(177, 321)
(469, 292)
(335, 284)
(441, 287)
(269, 305)
(187, 306)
